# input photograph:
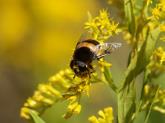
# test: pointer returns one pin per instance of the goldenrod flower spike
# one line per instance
(49, 93)
(25, 113)
(154, 94)
(102, 26)
(105, 116)
(156, 65)
(73, 108)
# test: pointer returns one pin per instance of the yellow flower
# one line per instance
(105, 116)
(155, 95)
(146, 89)
(162, 2)
(30, 102)
(128, 37)
(73, 95)
(162, 28)
(156, 12)
(114, 28)
(101, 27)
(102, 63)
(73, 108)
(49, 90)
(59, 86)
(148, 2)
(157, 62)
(160, 55)
(25, 113)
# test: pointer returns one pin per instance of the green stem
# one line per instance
(109, 79)
(126, 104)
(150, 108)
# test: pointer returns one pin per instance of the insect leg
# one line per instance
(101, 56)
(91, 69)
(89, 74)
(74, 76)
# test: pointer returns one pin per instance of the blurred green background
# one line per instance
(37, 39)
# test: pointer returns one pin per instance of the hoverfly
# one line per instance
(87, 51)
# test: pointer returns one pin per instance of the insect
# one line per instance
(87, 51)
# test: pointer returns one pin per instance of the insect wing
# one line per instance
(106, 48)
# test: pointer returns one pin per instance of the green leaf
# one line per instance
(129, 15)
(150, 46)
(151, 105)
(138, 6)
(137, 65)
(109, 79)
(151, 42)
(126, 104)
(141, 57)
(35, 117)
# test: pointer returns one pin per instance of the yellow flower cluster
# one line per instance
(73, 108)
(159, 11)
(157, 62)
(158, 17)
(101, 27)
(61, 86)
(105, 116)
(148, 95)
(162, 29)
(47, 94)
(73, 96)
(156, 96)
(156, 12)
(159, 55)
(102, 64)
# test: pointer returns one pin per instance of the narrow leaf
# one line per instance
(129, 15)
(35, 117)
(141, 58)
(109, 79)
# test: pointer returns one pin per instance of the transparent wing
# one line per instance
(106, 48)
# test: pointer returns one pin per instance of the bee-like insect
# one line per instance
(87, 51)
